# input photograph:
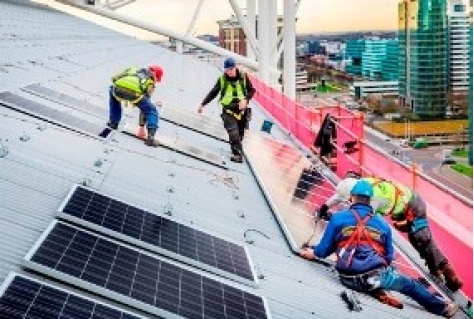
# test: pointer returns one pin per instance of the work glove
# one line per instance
(403, 226)
(323, 212)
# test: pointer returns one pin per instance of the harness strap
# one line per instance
(360, 235)
(238, 116)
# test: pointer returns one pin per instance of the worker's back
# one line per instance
(389, 197)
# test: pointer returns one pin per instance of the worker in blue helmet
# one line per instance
(235, 90)
(362, 242)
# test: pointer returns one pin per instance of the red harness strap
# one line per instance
(361, 235)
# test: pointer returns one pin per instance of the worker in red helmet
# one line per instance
(135, 87)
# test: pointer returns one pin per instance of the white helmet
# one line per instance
(343, 191)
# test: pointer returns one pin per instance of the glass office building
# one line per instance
(423, 56)
(373, 59)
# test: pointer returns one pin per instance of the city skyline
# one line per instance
(322, 17)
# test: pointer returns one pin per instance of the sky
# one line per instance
(314, 16)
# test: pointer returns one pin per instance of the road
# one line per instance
(429, 161)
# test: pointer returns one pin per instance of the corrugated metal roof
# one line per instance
(43, 161)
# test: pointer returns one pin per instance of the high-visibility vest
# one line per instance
(231, 91)
(132, 84)
(392, 198)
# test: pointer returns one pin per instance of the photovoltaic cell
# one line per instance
(49, 114)
(137, 278)
(64, 99)
(25, 298)
(139, 227)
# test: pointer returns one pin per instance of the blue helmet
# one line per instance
(229, 63)
(362, 188)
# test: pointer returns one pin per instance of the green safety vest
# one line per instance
(132, 84)
(391, 198)
(230, 92)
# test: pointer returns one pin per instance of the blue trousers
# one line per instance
(145, 105)
(390, 279)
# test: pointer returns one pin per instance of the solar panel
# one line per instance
(305, 190)
(136, 278)
(49, 114)
(24, 297)
(180, 147)
(195, 122)
(159, 234)
(64, 99)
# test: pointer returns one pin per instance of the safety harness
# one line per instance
(360, 235)
(224, 85)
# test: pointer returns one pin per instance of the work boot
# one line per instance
(112, 125)
(452, 281)
(150, 140)
(386, 298)
(450, 310)
(236, 158)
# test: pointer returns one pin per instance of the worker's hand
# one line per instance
(200, 108)
(323, 212)
(307, 253)
(159, 105)
(243, 104)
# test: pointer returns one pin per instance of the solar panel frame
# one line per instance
(9, 282)
(51, 115)
(64, 99)
(195, 122)
(254, 282)
(129, 301)
(181, 147)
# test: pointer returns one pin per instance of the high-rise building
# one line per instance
(423, 56)
(354, 50)
(373, 59)
(458, 14)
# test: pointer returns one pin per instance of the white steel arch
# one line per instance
(265, 48)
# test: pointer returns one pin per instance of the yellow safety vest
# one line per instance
(132, 84)
(389, 197)
(231, 91)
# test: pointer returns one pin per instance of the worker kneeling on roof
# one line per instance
(408, 211)
(362, 242)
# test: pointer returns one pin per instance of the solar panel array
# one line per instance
(25, 298)
(47, 113)
(64, 99)
(136, 278)
(157, 233)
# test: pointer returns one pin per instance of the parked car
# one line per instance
(447, 158)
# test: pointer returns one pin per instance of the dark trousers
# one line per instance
(236, 129)
(422, 239)
(424, 243)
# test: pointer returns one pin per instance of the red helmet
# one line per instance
(157, 72)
